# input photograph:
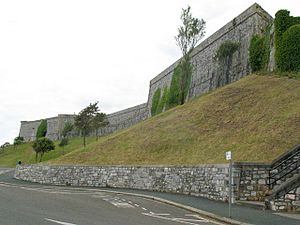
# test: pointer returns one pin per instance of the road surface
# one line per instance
(49, 205)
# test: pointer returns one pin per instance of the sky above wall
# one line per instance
(58, 56)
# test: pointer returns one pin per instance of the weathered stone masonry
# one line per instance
(206, 75)
(210, 181)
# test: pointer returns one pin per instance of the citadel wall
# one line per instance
(207, 74)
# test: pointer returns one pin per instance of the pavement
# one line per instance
(208, 208)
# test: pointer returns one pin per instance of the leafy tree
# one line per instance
(42, 129)
(188, 36)
(99, 120)
(84, 120)
(42, 145)
(18, 140)
(6, 144)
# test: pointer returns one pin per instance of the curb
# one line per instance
(189, 208)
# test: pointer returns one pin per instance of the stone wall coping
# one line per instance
(252, 164)
(252, 10)
(130, 109)
(132, 166)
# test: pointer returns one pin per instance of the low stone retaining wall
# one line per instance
(210, 181)
(252, 181)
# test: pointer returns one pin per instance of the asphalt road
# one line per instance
(49, 205)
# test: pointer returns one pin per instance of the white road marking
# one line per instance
(178, 220)
(59, 222)
(122, 205)
(160, 214)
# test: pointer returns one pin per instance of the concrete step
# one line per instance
(252, 204)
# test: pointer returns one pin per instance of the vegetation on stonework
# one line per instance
(257, 117)
(289, 58)
(224, 56)
(189, 34)
(174, 92)
(163, 100)
(155, 101)
(42, 129)
(258, 52)
(286, 41)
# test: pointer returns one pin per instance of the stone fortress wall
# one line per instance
(206, 75)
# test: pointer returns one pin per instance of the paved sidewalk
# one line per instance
(240, 213)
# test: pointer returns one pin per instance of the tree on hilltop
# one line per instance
(41, 146)
(89, 118)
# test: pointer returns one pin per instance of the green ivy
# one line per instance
(289, 59)
(174, 93)
(42, 129)
(283, 21)
(155, 101)
(162, 102)
(226, 50)
(258, 53)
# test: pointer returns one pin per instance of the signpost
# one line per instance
(229, 158)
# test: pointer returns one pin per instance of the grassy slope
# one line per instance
(258, 118)
(11, 155)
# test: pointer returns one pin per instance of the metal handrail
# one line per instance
(291, 156)
(283, 175)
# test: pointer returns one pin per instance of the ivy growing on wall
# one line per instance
(163, 100)
(155, 101)
(286, 50)
(289, 58)
(259, 52)
(42, 129)
(224, 56)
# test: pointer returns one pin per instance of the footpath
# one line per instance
(213, 209)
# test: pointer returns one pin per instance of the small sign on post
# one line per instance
(228, 155)
(229, 158)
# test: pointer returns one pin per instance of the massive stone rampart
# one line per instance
(207, 73)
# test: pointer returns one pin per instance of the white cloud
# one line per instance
(58, 56)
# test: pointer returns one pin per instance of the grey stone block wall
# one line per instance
(125, 118)
(28, 129)
(210, 181)
(287, 202)
(207, 74)
(253, 181)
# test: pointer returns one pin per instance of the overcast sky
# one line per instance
(58, 56)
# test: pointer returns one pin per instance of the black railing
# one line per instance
(284, 166)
